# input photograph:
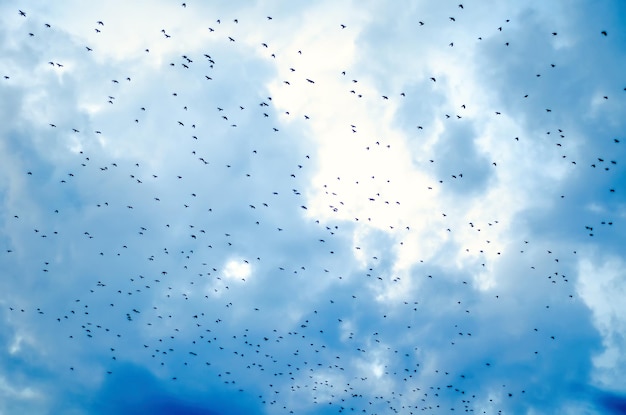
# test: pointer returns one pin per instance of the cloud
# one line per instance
(601, 291)
(216, 226)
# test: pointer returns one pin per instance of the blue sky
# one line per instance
(265, 207)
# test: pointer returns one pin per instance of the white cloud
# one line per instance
(237, 269)
(601, 288)
(259, 250)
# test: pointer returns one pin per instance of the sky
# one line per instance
(272, 207)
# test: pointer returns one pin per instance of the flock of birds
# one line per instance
(191, 311)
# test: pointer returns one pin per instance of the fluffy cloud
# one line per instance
(266, 208)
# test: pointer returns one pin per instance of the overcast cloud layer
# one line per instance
(264, 207)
